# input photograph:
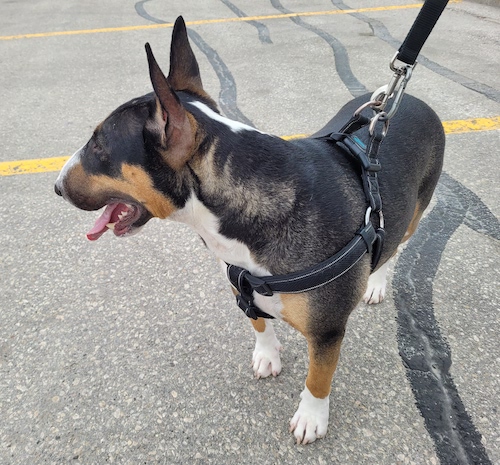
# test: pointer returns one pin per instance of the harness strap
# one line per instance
(301, 281)
(356, 122)
(367, 157)
(369, 175)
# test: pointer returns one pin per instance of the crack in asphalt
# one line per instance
(423, 349)
(340, 54)
(381, 31)
(262, 29)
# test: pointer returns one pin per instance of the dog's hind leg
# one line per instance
(266, 358)
(377, 282)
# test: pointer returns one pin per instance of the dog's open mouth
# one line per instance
(120, 217)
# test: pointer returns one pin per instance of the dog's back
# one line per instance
(411, 157)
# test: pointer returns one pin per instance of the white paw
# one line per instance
(266, 360)
(310, 421)
(377, 282)
(374, 294)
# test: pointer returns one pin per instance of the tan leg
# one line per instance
(310, 421)
(417, 215)
(322, 365)
(259, 325)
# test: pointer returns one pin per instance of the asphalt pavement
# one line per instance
(132, 351)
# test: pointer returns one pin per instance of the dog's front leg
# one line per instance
(310, 422)
(266, 358)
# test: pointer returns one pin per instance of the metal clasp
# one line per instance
(395, 89)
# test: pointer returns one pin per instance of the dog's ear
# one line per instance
(170, 123)
(184, 73)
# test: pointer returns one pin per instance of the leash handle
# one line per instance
(420, 31)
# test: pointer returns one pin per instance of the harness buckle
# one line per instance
(247, 306)
(358, 149)
(367, 233)
(258, 285)
(374, 238)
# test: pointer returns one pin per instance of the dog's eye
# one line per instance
(98, 151)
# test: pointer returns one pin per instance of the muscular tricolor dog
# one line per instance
(261, 203)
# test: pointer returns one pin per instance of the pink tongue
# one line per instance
(110, 215)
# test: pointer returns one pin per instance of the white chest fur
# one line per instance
(206, 224)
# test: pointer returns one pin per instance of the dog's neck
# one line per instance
(196, 215)
(221, 196)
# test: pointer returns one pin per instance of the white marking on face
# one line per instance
(206, 224)
(72, 161)
(235, 126)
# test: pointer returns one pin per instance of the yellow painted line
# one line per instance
(45, 165)
(216, 21)
(37, 165)
(294, 136)
(474, 124)
(213, 21)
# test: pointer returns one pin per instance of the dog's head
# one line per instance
(135, 163)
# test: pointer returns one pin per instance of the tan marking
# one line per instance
(204, 164)
(322, 366)
(296, 311)
(259, 324)
(135, 183)
(323, 360)
(413, 223)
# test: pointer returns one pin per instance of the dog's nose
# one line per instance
(58, 191)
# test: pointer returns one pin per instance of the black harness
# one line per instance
(367, 239)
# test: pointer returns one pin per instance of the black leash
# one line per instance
(405, 59)
(367, 239)
(420, 31)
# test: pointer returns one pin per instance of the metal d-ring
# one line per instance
(371, 103)
(367, 215)
(382, 116)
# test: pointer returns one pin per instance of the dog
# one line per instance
(258, 202)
